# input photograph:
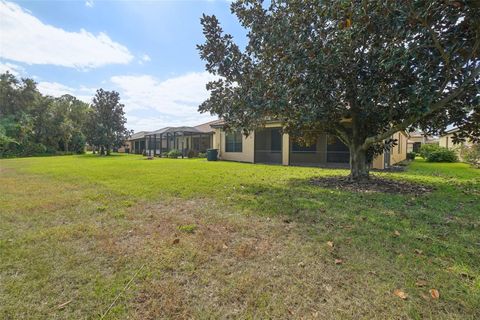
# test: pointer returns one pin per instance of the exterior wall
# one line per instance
(399, 152)
(126, 147)
(378, 162)
(247, 154)
(447, 142)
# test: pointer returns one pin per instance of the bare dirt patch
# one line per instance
(374, 185)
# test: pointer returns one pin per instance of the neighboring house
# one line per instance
(185, 139)
(125, 148)
(269, 145)
(417, 139)
(447, 141)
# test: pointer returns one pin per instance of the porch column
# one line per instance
(285, 149)
(161, 144)
(154, 144)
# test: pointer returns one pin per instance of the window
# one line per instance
(233, 141)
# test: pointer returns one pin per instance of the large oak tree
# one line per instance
(360, 70)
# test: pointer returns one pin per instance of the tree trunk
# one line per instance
(359, 169)
(102, 150)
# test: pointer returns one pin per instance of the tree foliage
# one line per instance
(361, 70)
(31, 123)
(106, 122)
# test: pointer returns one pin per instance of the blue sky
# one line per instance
(146, 50)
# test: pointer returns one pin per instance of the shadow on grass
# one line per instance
(443, 224)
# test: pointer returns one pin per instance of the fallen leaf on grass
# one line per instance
(338, 261)
(418, 251)
(63, 305)
(330, 244)
(397, 233)
(421, 283)
(176, 241)
(399, 293)
(434, 293)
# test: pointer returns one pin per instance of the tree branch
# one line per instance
(433, 108)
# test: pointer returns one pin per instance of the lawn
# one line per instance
(178, 239)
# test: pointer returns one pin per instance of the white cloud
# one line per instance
(146, 58)
(175, 99)
(25, 38)
(175, 96)
(89, 3)
(56, 89)
(14, 69)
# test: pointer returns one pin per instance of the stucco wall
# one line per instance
(247, 154)
(399, 152)
(377, 162)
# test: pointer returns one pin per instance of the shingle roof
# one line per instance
(207, 127)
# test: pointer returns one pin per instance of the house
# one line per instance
(446, 141)
(417, 139)
(269, 145)
(185, 139)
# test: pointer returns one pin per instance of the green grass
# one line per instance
(224, 239)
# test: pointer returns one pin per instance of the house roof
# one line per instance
(138, 135)
(208, 127)
(201, 128)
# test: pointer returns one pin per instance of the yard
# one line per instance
(188, 238)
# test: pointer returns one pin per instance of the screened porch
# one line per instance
(327, 151)
(184, 139)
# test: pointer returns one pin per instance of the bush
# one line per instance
(411, 155)
(202, 155)
(442, 155)
(174, 154)
(426, 149)
(191, 154)
(471, 154)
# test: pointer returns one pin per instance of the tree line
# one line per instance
(35, 124)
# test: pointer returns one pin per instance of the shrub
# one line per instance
(426, 149)
(202, 155)
(471, 154)
(191, 154)
(174, 154)
(442, 155)
(411, 155)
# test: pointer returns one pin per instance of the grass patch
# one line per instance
(188, 228)
(223, 239)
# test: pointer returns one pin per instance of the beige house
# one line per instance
(416, 139)
(447, 141)
(269, 145)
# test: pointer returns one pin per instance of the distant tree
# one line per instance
(106, 123)
(31, 123)
(360, 70)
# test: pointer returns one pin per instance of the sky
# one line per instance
(145, 50)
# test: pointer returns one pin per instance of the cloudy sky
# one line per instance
(146, 50)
